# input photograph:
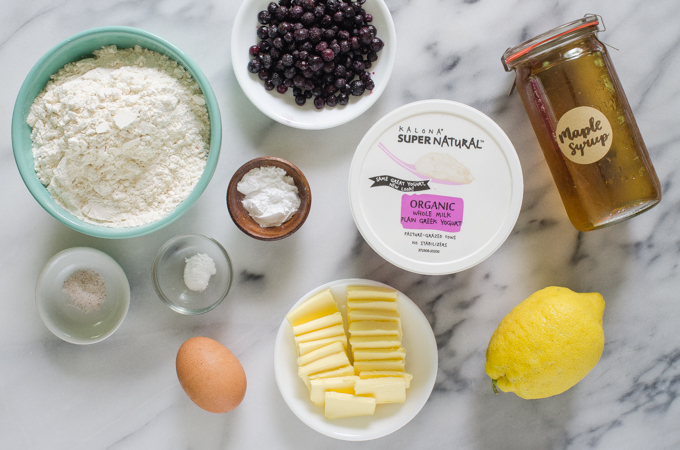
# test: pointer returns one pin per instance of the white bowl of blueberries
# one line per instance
(313, 64)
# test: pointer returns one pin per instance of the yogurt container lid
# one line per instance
(435, 187)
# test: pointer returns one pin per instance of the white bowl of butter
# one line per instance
(421, 362)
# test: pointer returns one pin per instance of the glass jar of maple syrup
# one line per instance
(584, 125)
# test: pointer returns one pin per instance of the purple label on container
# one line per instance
(431, 212)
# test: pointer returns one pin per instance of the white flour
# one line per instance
(122, 138)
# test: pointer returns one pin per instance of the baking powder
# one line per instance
(271, 197)
(120, 139)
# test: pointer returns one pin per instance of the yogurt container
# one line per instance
(435, 187)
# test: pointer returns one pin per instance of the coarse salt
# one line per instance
(86, 290)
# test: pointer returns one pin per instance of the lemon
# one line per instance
(547, 343)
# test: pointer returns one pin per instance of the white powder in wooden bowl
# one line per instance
(86, 290)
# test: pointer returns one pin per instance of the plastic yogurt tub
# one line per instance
(435, 187)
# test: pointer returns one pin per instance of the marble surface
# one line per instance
(123, 393)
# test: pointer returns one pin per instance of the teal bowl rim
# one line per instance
(35, 82)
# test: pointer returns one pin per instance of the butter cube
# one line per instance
(380, 364)
(329, 362)
(335, 330)
(317, 324)
(305, 347)
(319, 386)
(371, 304)
(344, 371)
(363, 354)
(374, 328)
(319, 305)
(319, 353)
(372, 314)
(387, 373)
(383, 389)
(358, 342)
(371, 293)
(339, 405)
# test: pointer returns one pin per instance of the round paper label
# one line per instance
(435, 187)
(584, 135)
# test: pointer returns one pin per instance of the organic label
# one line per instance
(584, 135)
(431, 212)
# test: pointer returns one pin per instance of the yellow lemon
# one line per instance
(547, 343)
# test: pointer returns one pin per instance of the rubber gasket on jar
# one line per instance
(435, 187)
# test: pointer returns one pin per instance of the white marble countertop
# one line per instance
(123, 393)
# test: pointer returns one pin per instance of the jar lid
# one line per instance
(545, 40)
(435, 187)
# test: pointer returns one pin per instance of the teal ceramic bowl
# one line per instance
(79, 47)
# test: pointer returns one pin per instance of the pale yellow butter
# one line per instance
(371, 304)
(374, 328)
(319, 386)
(380, 364)
(340, 405)
(318, 324)
(363, 354)
(371, 293)
(386, 373)
(305, 347)
(329, 362)
(383, 389)
(321, 304)
(335, 330)
(373, 314)
(319, 353)
(357, 342)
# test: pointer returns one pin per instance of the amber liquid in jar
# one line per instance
(623, 182)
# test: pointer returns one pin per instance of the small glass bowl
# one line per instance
(69, 322)
(168, 274)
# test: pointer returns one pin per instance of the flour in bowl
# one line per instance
(120, 139)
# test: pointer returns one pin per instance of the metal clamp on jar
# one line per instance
(584, 125)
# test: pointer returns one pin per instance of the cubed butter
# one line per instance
(372, 314)
(305, 347)
(386, 373)
(318, 324)
(357, 342)
(371, 293)
(329, 362)
(319, 305)
(339, 405)
(363, 354)
(344, 371)
(383, 389)
(379, 364)
(371, 304)
(374, 328)
(335, 330)
(319, 353)
(319, 386)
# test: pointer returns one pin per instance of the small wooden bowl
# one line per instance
(246, 223)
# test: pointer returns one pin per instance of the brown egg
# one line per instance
(211, 375)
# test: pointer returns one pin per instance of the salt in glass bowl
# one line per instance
(81, 46)
(168, 274)
(69, 322)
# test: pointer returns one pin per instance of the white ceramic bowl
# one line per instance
(421, 362)
(282, 108)
(69, 322)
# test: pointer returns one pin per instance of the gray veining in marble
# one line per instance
(123, 393)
